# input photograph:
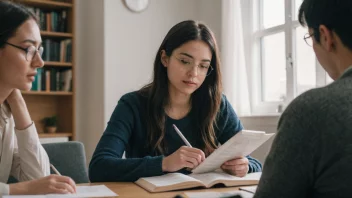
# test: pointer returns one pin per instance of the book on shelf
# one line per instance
(52, 21)
(177, 181)
(57, 51)
(52, 79)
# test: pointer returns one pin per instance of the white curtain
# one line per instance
(234, 69)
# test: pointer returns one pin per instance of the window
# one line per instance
(283, 66)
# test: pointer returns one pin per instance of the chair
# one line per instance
(68, 158)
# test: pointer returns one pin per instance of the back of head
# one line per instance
(336, 15)
(11, 16)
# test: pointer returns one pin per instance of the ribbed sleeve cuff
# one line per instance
(154, 166)
(4, 189)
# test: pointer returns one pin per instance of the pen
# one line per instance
(54, 169)
(182, 137)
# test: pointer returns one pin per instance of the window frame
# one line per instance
(255, 28)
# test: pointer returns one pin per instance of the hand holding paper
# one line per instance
(242, 144)
(238, 167)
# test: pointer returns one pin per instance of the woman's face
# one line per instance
(187, 67)
(17, 70)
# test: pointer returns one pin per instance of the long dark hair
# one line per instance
(12, 16)
(205, 100)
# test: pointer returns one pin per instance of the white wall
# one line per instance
(116, 49)
(89, 72)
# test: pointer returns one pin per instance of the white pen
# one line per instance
(54, 169)
(181, 135)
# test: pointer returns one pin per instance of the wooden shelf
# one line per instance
(46, 4)
(53, 135)
(57, 64)
(56, 34)
(47, 93)
(62, 104)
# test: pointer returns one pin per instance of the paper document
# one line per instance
(250, 189)
(218, 194)
(82, 191)
(242, 144)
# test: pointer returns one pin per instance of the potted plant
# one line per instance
(50, 124)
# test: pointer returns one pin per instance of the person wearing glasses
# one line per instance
(21, 153)
(185, 91)
(311, 155)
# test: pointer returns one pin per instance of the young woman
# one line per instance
(21, 153)
(186, 91)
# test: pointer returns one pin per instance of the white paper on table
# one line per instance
(218, 194)
(82, 191)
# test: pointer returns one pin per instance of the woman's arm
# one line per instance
(30, 160)
(107, 164)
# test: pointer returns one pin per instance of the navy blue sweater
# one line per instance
(126, 131)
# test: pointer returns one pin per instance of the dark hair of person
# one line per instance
(12, 16)
(205, 101)
(334, 14)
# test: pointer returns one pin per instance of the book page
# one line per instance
(208, 178)
(168, 179)
(242, 144)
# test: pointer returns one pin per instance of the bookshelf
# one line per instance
(55, 96)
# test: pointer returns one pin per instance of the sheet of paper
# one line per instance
(82, 191)
(242, 144)
(218, 194)
(250, 189)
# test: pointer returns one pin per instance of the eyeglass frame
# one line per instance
(210, 68)
(308, 36)
(37, 51)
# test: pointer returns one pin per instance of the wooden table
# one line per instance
(131, 190)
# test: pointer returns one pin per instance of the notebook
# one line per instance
(177, 181)
(241, 144)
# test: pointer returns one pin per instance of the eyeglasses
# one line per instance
(308, 39)
(30, 51)
(203, 69)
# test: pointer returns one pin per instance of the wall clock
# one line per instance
(136, 5)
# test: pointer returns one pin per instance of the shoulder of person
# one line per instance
(224, 102)
(134, 97)
(310, 105)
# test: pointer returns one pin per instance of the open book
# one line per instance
(241, 144)
(176, 181)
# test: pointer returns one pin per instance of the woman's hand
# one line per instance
(52, 184)
(183, 157)
(19, 110)
(238, 167)
(14, 97)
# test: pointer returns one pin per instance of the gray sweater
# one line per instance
(311, 155)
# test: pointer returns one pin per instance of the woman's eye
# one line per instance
(185, 62)
(205, 66)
